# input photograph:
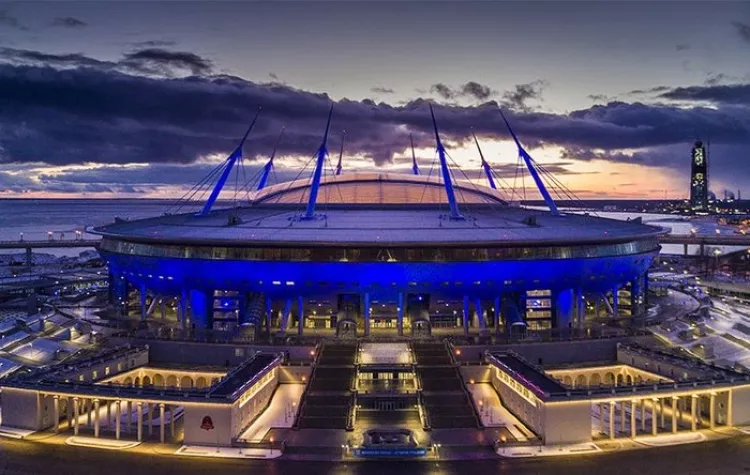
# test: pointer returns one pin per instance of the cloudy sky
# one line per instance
(140, 99)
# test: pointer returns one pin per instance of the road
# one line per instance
(728, 456)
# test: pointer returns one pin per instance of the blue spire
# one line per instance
(237, 154)
(339, 168)
(454, 212)
(315, 185)
(485, 165)
(414, 166)
(268, 166)
(532, 169)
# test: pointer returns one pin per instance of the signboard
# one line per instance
(391, 452)
(207, 423)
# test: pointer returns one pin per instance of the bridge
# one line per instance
(49, 244)
(702, 241)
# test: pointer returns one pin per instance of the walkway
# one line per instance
(384, 353)
(494, 414)
(280, 413)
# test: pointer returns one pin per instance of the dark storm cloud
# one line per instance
(68, 22)
(743, 29)
(382, 90)
(154, 43)
(518, 97)
(151, 61)
(470, 90)
(730, 94)
(160, 59)
(95, 115)
(443, 91)
(477, 91)
(651, 90)
(599, 97)
(24, 56)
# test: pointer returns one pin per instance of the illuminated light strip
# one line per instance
(517, 387)
(256, 388)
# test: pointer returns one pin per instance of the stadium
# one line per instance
(387, 254)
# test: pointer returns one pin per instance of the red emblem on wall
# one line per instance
(207, 423)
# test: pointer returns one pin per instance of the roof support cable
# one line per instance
(530, 166)
(429, 175)
(236, 155)
(188, 195)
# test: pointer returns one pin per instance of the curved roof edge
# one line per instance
(480, 193)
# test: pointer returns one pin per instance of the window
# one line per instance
(239, 352)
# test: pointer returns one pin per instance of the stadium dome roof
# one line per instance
(374, 188)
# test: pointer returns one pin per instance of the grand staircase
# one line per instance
(444, 398)
(328, 401)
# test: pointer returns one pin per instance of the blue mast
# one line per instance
(532, 169)
(237, 154)
(414, 166)
(454, 213)
(268, 166)
(322, 152)
(485, 165)
(339, 169)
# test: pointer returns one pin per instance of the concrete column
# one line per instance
(118, 418)
(661, 412)
(202, 308)
(300, 315)
(612, 420)
(56, 415)
(653, 416)
(400, 318)
(580, 307)
(615, 301)
(730, 415)
(96, 418)
(69, 411)
(496, 313)
(564, 309)
(693, 408)
(633, 427)
(284, 324)
(162, 421)
(712, 411)
(466, 315)
(481, 321)
(150, 416)
(367, 314)
(183, 308)
(144, 307)
(674, 415)
(75, 415)
(129, 420)
(139, 423)
(87, 408)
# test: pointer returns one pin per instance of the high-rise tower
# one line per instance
(699, 178)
